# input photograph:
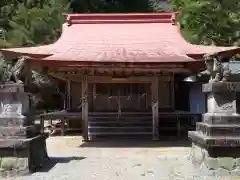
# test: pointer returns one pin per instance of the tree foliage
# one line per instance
(210, 21)
(119, 6)
(31, 22)
(110, 6)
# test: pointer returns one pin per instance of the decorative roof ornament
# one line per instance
(20, 70)
(173, 18)
(215, 68)
(68, 20)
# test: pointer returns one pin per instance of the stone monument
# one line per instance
(216, 141)
(22, 146)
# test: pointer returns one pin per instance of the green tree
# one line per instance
(32, 23)
(209, 21)
(120, 6)
(110, 6)
(161, 5)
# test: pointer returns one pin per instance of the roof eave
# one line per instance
(11, 53)
(226, 53)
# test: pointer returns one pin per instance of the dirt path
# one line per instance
(118, 160)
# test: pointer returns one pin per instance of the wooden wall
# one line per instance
(76, 89)
(99, 96)
(132, 96)
(165, 93)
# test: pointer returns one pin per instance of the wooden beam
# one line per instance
(131, 79)
(155, 104)
(85, 107)
(75, 73)
(94, 70)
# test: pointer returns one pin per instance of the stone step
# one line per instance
(221, 118)
(218, 129)
(214, 141)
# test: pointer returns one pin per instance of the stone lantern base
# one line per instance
(22, 146)
(216, 141)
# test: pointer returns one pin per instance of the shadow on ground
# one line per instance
(136, 143)
(57, 160)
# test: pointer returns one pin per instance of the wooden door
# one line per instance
(127, 97)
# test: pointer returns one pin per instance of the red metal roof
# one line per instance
(150, 37)
(35, 52)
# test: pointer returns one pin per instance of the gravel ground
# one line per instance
(129, 160)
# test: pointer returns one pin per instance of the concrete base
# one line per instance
(203, 161)
(22, 158)
(217, 146)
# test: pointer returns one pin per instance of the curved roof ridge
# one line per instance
(98, 18)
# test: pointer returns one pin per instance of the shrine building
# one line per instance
(123, 72)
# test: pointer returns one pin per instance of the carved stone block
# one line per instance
(221, 118)
(221, 103)
(8, 88)
(221, 87)
(10, 121)
(18, 103)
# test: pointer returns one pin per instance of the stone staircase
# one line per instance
(128, 124)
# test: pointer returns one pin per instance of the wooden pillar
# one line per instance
(172, 91)
(68, 94)
(63, 126)
(42, 124)
(85, 107)
(94, 96)
(155, 99)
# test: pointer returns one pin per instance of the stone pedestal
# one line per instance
(22, 146)
(216, 141)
